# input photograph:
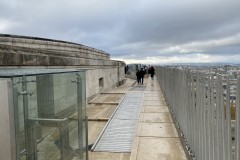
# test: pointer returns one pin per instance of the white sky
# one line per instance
(135, 31)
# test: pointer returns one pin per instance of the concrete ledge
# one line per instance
(19, 56)
(50, 44)
(34, 51)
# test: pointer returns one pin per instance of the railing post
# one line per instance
(237, 123)
(86, 124)
(228, 135)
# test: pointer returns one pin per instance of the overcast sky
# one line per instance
(135, 31)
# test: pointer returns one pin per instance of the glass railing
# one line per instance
(50, 115)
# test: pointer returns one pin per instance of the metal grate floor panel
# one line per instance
(119, 133)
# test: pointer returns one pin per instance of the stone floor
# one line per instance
(156, 137)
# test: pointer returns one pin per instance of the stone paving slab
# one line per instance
(120, 90)
(129, 82)
(94, 129)
(150, 98)
(156, 117)
(108, 98)
(152, 93)
(154, 103)
(154, 109)
(96, 112)
(151, 148)
(158, 130)
(108, 156)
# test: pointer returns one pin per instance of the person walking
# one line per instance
(152, 72)
(126, 69)
(148, 69)
(142, 73)
(138, 77)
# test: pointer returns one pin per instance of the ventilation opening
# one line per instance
(101, 84)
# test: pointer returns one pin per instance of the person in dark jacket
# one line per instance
(152, 72)
(126, 69)
(138, 76)
(142, 73)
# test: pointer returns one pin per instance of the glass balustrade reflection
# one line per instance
(49, 114)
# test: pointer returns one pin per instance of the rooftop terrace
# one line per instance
(155, 136)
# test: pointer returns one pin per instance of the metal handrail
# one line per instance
(48, 120)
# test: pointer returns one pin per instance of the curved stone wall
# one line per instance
(21, 50)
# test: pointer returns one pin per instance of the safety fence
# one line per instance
(205, 106)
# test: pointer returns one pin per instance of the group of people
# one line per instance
(140, 74)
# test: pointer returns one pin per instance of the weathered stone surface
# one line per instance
(32, 51)
(19, 56)
(61, 47)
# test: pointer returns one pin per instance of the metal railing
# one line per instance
(203, 109)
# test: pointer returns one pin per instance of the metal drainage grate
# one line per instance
(120, 130)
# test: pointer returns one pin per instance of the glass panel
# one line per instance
(50, 116)
(82, 115)
(19, 118)
(24, 89)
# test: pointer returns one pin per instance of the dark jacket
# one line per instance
(152, 71)
(142, 73)
(138, 74)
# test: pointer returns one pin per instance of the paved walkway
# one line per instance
(156, 137)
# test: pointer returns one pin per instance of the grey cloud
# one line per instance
(185, 23)
(131, 29)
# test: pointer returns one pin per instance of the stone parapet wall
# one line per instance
(33, 51)
(21, 56)
(61, 47)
